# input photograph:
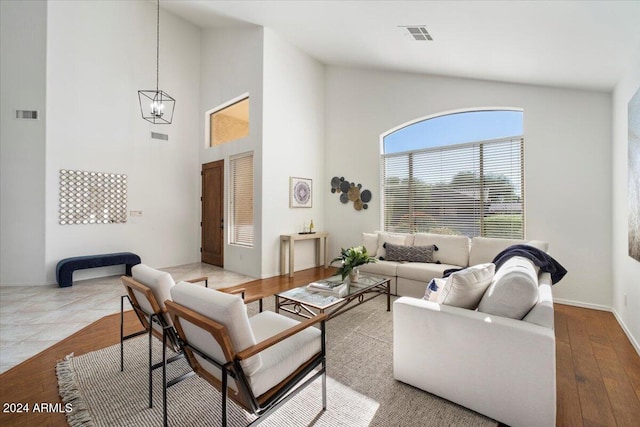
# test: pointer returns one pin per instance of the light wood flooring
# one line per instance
(598, 370)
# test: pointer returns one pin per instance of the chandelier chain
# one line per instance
(158, 45)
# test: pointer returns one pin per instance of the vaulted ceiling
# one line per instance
(579, 44)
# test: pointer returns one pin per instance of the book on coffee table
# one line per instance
(329, 287)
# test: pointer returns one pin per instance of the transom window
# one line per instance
(460, 173)
(229, 122)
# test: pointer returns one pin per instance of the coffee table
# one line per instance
(306, 303)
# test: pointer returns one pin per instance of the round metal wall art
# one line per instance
(92, 197)
(351, 192)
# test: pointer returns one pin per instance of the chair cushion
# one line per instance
(228, 310)
(282, 359)
(465, 288)
(513, 291)
(160, 283)
(452, 250)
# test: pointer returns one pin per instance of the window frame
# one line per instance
(238, 236)
(207, 119)
(408, 178)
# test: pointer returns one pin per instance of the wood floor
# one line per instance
(598, 370)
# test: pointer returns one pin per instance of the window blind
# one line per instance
(241, 199)
(474, 189)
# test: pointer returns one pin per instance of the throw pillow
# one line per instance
(513, 291)
(410, 253)
(370, 241)
(465, 288)
(395, 239)
(431, 294)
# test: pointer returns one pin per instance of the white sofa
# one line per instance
(502, 364)
(501, 367)
(411, 278)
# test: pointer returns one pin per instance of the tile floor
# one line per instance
(33, 318)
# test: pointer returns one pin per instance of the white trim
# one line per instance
(207, 122)
(626, 330)
(582, 304)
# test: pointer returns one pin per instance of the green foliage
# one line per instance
(498, 225)
(351, 258)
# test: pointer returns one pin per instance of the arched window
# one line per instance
(456, 173)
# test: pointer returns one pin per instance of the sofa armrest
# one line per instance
(500, 367)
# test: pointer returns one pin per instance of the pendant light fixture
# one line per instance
(156, 106)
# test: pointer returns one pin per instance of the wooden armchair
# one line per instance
(147, 290)
(238, 355)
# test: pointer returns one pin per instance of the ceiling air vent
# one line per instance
(27, 114)
(418, 32)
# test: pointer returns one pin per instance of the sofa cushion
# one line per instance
(465, 288)
(485, 249)
(370, 242)
(513, 291)
(422, 271)
(451, 249)
(410, 253)
(381, 268)
(393, 238)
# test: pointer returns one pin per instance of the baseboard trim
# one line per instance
(582, 304)
(634, 343)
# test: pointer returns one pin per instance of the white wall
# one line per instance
(231, 65)
(293, 141)
(626, 270)
(22, 142)
(567, 160)
(99, 54)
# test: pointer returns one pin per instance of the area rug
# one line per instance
(361, 390)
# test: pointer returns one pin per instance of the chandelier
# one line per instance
(156, 105)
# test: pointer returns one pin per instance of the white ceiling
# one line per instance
(577, 44)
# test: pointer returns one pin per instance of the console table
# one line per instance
(322, 247)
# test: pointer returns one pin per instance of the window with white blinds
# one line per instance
(472, 189)
(241, 200)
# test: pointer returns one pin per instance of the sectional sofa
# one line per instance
(411, 278)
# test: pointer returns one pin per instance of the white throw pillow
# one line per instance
(465, 288)
(394, 239)
(514, 290)
(370, 242)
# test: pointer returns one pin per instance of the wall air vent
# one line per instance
(162, 136)
(27, 114)
(418, 32)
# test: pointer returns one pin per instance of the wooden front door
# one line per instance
(213, 213)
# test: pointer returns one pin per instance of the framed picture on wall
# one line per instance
(633, 176)
(300, 192)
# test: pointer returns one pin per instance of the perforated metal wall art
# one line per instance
(92, 197)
